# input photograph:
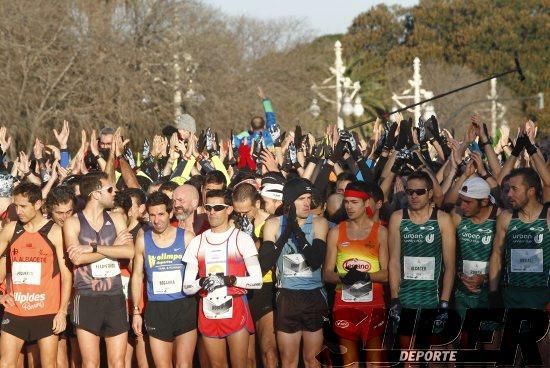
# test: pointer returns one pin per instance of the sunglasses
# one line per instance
(109, 189)
(215, 207)
(418, 192)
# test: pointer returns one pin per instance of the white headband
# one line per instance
(273, 191)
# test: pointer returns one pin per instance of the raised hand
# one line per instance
(94, 144)
(5, 143)
(261, 93)
(38, 149)
(63, 136)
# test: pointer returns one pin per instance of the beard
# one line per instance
(183, 214)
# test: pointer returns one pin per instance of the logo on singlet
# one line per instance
(430, 238)
(5, 321)
(361, 265)
(486, 240)
(537, 229)
(538, 238)
(341, 323)
(427, 228)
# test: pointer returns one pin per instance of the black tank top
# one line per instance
(92, 277)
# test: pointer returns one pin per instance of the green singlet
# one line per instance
(421, 262)
(527, 267)
(474, 245)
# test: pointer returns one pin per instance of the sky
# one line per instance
(323, 16)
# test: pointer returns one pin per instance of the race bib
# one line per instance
(215, 259)
(294, 265)
(27, 273)
(419, 268)
(360, 291)
(125, 285)
(471, 268)
(218, 305)
(104, 268)
(167, 282)
(527, 260)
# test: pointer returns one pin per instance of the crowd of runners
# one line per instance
(259, 248)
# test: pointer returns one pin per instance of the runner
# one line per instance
(475, 223)
(170, 316)
(250, 219)
(222, 257)
(186, 201)
(295, 243)
(95, 241)
(358, 250)
(129, 207)
(39, 282)
(422, 243)
(60, 204)
(523, 239)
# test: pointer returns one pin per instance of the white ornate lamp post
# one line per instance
(418, 94)
(345, 88)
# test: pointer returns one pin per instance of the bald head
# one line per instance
(186, 201)
(334, 203)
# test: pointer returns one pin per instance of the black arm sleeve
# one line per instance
(379, 166)
(352, 165)
(321, 182)
(315, 254)
(268, 255)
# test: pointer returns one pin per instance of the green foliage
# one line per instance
(481, 35)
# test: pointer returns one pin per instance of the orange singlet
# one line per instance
(35, 280)
(356, 313)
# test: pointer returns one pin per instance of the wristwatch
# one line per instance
(94, 247)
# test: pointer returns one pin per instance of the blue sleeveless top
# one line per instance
(164, 268)
(292, 271)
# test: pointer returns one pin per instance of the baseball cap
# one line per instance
(476, 188)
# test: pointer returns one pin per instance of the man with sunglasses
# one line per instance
(226, 263)
(422, 250)
(95, 241)
(295, 243)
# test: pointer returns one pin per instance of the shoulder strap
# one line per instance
(544, 211)
(45, 230)
(17, 232)
(373, 235)
(493, 214)
(405, 214)
(515, 214)
(434, 214)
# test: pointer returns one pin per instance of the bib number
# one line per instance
(27, 273)
(471, 268)
(419, 268)
(359, 292)
(527, 260)
(294, 265)
(167, 282)
(105, 268)
(218, 305)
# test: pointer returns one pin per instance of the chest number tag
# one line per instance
(527, 260)
(419, 268)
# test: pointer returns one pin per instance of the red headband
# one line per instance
(360, 195)
(356, 194)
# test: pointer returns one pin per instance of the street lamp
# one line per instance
(345, 88)
(417, 95)
(314, 109)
